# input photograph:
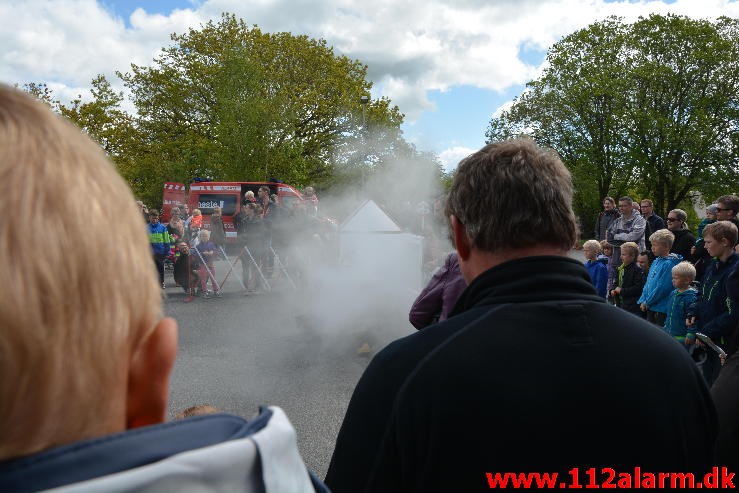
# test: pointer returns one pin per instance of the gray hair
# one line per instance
(514, 194)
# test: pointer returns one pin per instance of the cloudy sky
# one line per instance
(448, 64)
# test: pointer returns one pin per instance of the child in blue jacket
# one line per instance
(596, 268)
(682, 304)
(655, 297)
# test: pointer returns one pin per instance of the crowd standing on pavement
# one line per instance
(520, 362)
(264, 231)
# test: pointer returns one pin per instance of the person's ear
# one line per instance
(148, 376)
(461, 240)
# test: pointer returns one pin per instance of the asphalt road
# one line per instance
(239, 352)
(297, 349)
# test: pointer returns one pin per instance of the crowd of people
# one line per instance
(531, 371)
(687, 283)
(264, 228)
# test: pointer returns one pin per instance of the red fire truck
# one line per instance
(206, 195)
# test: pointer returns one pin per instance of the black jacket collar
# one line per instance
(529, 279)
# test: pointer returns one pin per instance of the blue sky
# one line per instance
(448, 65)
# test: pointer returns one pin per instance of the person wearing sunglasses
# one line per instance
(684, 239)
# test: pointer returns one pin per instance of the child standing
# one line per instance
(194, 225)
(605, 256)
(207, 250)
(701, 258)
(717, 314)
(682, 304)
(654, 300)
(597, 269)
(629, 280)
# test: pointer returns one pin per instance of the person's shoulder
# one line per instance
(418, 344)
(672, 259)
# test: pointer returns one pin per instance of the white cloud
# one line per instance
(450, 158)
(411, 46)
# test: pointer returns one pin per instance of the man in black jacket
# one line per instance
(654, 222)
(532, 372)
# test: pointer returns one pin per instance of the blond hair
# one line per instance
(684, 269)
(71, 315)
(663, 236)
(632, 247)
(594, 244)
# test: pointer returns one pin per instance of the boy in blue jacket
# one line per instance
(682, 304)
(654, 300)
(596, 268)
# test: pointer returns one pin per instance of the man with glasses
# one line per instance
(654, 222)
(629, 226)
(728, 207)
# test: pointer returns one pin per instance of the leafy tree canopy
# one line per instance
(648, 108)
(230, 102)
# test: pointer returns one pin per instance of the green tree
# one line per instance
(229, 101)
(648, 107)
(103, 119)
(43, 92)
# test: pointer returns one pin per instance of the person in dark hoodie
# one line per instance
(522, 375)
(605, 218)
(84, 373)
(630, 280)
(654, 222)
(725, 391)
(684, 239)
(717, 314)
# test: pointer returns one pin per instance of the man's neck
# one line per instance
(480, 261)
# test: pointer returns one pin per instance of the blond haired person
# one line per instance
(597, 269)
(654, 300)
(83, 361)
(682, 302)
(629, 281)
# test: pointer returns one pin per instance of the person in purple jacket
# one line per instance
(439, 296)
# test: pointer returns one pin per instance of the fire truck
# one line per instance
(206, 195)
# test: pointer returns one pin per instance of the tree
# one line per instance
(232, 102)
(103, 119)
(649, 107)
